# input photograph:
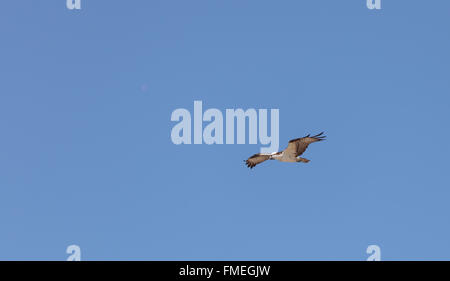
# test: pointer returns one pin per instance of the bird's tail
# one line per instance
(304, 160)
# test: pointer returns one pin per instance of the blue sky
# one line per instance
(86, 156)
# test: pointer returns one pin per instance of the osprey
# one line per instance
(291, 154)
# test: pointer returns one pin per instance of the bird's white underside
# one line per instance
(284, 157)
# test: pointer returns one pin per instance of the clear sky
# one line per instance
(86, 156)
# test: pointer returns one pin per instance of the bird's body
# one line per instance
(283, 157)
(295, 148)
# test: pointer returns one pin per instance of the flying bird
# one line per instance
(295, 148)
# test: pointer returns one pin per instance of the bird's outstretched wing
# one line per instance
(298, 146)
(256, 159)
